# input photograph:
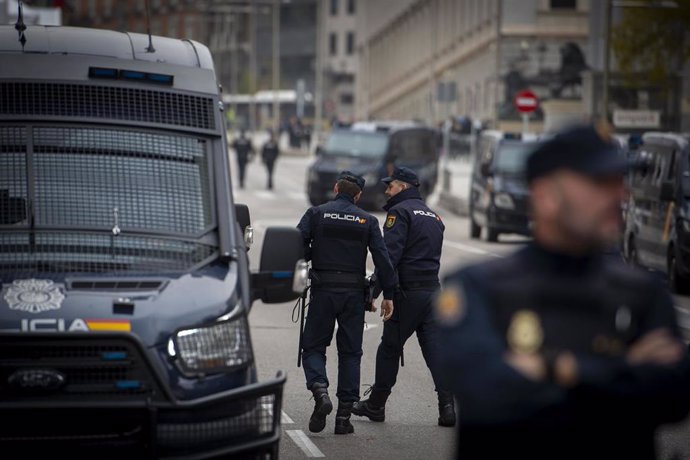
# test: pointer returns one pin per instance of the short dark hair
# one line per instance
(348, 188)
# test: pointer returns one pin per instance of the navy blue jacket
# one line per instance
(336, 237)
(595, 307)
(413, 234)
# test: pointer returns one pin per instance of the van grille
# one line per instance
(98, 367)
(90, 101)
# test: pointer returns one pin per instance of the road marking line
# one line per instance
(470, 249)
(285, 418)
(304, 443)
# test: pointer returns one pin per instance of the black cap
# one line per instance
(583, 149)
(403, 174)
(352, 177)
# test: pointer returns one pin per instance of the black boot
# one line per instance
(374, 408)
(446, 409)
(342, 418)
(322, 407)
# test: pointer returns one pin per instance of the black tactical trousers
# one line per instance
(413, 312)
(325, 307)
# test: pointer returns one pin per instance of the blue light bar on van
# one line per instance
(132, 75)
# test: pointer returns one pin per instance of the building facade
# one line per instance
(430, 59)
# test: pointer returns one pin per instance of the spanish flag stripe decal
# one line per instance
(109, 325)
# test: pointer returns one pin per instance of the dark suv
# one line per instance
(499, 198)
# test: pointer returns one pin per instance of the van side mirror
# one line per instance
(667, 192)
(245, 223)
(281, 271)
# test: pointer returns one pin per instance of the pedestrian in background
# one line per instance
(336, 237)
(413, 234)
(269, 154)
(560, 351)
(244, 151)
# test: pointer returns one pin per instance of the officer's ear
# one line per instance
(357, 197)
(335, 188)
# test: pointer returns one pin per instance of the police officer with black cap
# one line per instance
(414, 236)
(244, 151)
(560, 351)
(336, 237)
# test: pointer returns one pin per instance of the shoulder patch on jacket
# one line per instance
(390, 220)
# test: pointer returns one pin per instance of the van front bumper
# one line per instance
(90, 417)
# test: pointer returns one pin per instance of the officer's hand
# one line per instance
(530, 365)
(656, 347)
(373, 308)
(386, 309)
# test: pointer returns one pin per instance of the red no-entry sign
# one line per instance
(526, 101)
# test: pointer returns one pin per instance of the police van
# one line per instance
(657, 217)
(499, 196)
(373, 150)
(125, 279)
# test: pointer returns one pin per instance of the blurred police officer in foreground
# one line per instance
(414, 236)
(560, 351)
(336, 237)
(244, 151)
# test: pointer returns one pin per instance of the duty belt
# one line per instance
(418, 279)
(335, 279)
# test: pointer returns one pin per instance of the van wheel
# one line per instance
(491, 235)
(679, 284)
(475, 229)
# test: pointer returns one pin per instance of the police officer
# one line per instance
(244, 151)
(560, 351)
(269, 155)
(336, 237)
(414, 236)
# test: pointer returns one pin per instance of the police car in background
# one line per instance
(373, 150)
(657, 218)
(126, 288)
(499, 197)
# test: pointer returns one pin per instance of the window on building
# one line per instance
(351, 6)
(350, 43)
(333, 44)
(92, 8)
(107, 8)
(334, 7)
(347, 98)
(172, 26)
(189, 26)
(563, 4)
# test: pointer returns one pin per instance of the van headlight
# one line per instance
(503, 200)
(216, 348)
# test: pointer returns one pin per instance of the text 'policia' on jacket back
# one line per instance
(123, 258)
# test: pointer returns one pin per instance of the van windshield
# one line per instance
(104, 200)
(511, 157)
(414, 146)
(356, 144)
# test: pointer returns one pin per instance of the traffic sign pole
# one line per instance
(525, 123)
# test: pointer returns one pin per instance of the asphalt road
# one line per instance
(410, 430)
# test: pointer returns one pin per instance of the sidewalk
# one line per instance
(455, 184)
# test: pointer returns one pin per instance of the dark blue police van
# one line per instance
(373, 150)
(126, 286)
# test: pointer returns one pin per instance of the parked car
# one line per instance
(657, 224)
(499, 197)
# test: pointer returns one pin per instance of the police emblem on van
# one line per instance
(33, 296)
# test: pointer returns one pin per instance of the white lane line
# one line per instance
(469, 249)
(304, 443)
(297, 196)
(285, 419)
